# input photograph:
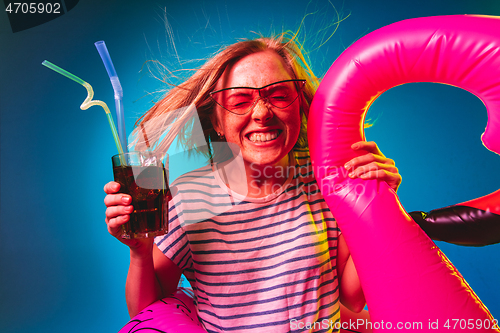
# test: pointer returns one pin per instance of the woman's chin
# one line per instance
(266, 159)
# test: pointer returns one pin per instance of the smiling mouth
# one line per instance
(264, 137)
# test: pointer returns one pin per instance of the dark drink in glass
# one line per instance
(143, 177)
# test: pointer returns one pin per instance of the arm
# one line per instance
(351, 293)
(151, 274)
(150, 278)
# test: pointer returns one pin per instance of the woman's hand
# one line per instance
(118, 213)
(373, 165)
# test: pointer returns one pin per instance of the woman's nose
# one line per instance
(262, 111)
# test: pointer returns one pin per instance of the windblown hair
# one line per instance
(195, 91)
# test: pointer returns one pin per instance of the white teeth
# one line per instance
(263, 137)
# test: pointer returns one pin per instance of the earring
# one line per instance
(221, 136)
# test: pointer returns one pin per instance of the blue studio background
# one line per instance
(60, 271)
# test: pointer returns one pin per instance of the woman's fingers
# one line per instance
(373, 165)
(117, 199)
(117, 214)
(369, 146)
(116, 211)
(371, 168)
(368, 159)
(111, 188)
(118, 208)
(384, 172)
(115, 224)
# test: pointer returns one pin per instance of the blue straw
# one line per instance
(117, 88)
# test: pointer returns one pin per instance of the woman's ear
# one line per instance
(215, 123)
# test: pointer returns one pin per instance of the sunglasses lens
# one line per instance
(280, 95)
(237, 100)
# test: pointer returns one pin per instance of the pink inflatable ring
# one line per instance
(404, 275)
(174, 314)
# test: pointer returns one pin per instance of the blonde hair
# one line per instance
(196, 91)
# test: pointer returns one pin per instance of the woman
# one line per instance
(275, 260)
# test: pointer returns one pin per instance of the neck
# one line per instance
(260, 180)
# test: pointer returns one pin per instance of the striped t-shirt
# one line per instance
(256, 264)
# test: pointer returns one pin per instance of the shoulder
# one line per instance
(201, 179)
(204, 172)
(303, 165)
(193, 187)
(199, 196)
(304, 179)
(301, 155)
